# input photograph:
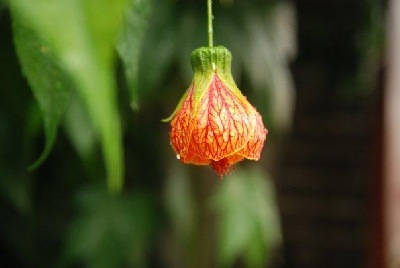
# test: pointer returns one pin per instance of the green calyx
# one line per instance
(209, 59)
(207, 62)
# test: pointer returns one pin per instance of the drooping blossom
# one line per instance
(214, 124)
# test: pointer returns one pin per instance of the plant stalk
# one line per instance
(210, 26)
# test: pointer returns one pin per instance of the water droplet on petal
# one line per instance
(178, 156)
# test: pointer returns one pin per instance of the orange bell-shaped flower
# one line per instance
(214, 123)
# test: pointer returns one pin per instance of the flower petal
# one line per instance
(222, 124)
(192, 158)
(253, 148)
(233, 159)
(180, 127)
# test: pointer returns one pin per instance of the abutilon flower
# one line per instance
(214, 123)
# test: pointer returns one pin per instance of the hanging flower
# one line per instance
(214, 123)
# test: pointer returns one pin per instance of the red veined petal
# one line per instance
(222, 124)
(253, 148)
(180, 127)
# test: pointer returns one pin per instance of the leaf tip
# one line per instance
(32, 167)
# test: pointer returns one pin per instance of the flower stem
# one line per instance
(210, 26)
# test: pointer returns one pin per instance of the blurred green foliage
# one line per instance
(82, 39)
(105, 233)
(248, 222)
(88, 63)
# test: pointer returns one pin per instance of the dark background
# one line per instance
(329, 181)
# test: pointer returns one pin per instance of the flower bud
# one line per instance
(214, 124)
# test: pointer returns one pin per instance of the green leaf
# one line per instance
(130, 43)
(48, 82)
(248, 224)
(82, 34)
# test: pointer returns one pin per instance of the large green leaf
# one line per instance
(48, 82)
(82, 34)
(130, 43)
